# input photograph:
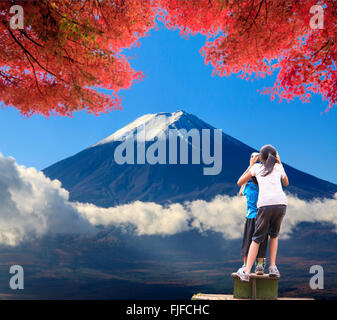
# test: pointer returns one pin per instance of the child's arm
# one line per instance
(284, 178)
(247, 175)
(241, 190)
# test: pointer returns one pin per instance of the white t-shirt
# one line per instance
(270, 187)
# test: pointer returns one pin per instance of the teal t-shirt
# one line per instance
(251, 191)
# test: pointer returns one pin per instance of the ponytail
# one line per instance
(268, 154)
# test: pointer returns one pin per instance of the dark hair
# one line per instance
(268, 154)
(255, 180)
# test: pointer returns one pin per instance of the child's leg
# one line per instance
(259, 236)
(247, 238)
(261, 256)
(278, 214)
(253, 250)
(260, 265)
(273, 244)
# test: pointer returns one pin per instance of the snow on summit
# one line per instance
(155, 124)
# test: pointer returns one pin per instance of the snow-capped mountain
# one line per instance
(154, 124)
(93, 175)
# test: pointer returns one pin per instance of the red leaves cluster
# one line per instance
(68, 48)
(256, 38)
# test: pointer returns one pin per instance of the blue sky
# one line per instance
(176, 78)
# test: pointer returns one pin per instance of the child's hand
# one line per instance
(278, 158)
(253, 160)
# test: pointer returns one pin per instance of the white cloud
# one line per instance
(31, 205)
(147, 218)
(312, 211)
(223, 214)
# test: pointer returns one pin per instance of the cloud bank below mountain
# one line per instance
(223, 214)
(32, 205)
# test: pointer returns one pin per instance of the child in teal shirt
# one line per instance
(251, 191)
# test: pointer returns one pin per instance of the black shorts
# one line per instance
(247, 239)
(268, 222)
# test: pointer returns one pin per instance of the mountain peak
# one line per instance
(156, 123)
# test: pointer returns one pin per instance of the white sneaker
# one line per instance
(243, 275)
(273, 272)
(259, 269)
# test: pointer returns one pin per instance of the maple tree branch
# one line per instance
(81, 70)
(100, 9)
(253, 22)
(95, 30)
(251, 9)
(81, 44)
(27, 52)
(322, 63)
(36, 81)
(29, 38)
(258, 11)
(321, 48)
(326, 54)
(9, 78)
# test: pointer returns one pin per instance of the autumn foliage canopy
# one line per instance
(68, 49)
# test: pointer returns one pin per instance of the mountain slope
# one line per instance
(93, 175)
